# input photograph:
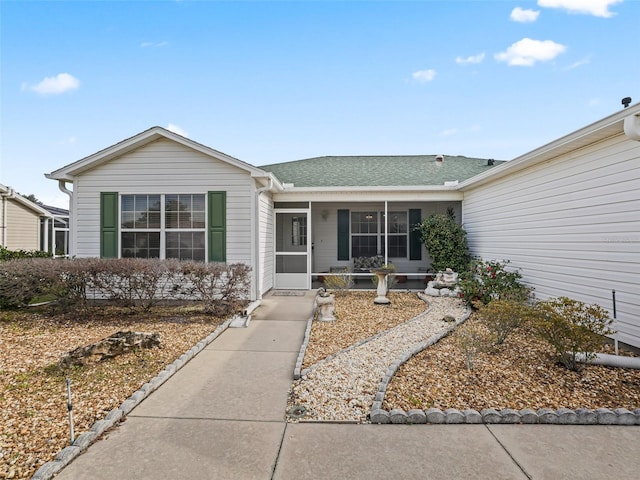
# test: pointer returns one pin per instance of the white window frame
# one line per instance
(163, 230)
(381, 232)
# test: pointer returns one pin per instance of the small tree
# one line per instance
(446, 242)
(503, 317)
(572, 328)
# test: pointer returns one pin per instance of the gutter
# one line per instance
(62, 187)
(10, 193)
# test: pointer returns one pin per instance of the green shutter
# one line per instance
(217, 229)
(415, 242)
(109, 224)
(343, 234)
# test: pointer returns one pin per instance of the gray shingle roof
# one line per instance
(377, 171)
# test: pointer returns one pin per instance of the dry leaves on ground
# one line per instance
(34, 420)
(521, 373)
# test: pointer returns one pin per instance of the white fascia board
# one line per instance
(604, 128)
(31, 205)
(276, 186)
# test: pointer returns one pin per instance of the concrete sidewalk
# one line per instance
(222, 417)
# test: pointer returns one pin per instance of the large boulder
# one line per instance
(117, 344)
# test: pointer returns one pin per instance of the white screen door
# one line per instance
(293, 244)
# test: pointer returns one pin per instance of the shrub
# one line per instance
(446, 242)
(25, 280)
(490, 280)
(222, 288)
(339, 283)
(502, 317)
(6, 254)
(473, 339)
(572, 328)
(133, 282)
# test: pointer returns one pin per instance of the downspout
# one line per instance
(5, 196)
(259, 191)
(62, 187)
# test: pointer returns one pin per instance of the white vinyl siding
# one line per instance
(572, 224)
(266, 242)
(23, 227)
(164, 166)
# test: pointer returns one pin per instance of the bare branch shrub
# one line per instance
(473, 339)
(223, 289)
(503, 317)
(339, 283)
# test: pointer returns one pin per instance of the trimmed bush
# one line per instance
(572, 328)
(491, 280)
(503, 317)
(6, 254)
(446, 242)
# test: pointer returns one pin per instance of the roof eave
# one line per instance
(597, 131)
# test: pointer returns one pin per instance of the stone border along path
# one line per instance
(84, 440)
(563, 416)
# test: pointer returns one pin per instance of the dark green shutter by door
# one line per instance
(109, 224)
(343, 234)
(217, 231)
(415, 242)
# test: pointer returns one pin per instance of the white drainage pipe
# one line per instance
(611, 360)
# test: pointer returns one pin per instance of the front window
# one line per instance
(163, 226)
(367, 234)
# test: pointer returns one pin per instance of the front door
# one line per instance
(293, 249)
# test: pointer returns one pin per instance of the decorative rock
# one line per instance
(449, 318)
(453, 416)
(67, 454)
(625, 417)
(510, 415)
(100, 426)
(636, 412)
(606, 416)
(84, 440)
(491, 415)
(398, 416)
(472, 416)
(435, 415)
(546, 415)
(445, 292)
(127, 406)
(117, 344)
(431, 291)
(416, 416)
(47, 471)
(114, 415)
(379, 416)
(586, 417)
(567, 417)
(528, 416)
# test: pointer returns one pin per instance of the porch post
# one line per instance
(386, 232)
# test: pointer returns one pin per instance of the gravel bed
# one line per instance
(343, 387)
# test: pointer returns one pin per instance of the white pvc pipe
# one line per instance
(611, 360)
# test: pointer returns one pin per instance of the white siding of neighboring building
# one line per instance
(164, 166)
(23, 227)
(572, 224)
(265, 225)
(325, 231)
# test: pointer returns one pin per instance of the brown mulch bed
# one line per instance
(34, 419)
(521, 373)
(358, 318)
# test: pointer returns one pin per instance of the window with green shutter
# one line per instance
(217, 228)
(109, 225)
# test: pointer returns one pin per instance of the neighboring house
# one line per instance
(26, 225)
(158, 194)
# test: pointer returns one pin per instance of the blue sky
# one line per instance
(271, 81)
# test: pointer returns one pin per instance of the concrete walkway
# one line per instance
(222, 417)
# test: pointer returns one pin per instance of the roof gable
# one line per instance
(70, 171)
(378, 171)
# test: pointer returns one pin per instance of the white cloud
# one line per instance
(469, 60)
(154, 44)
(527, 52)
(449, 132)
(524, 16)
(176, 129)
(424, 76)
(597, 8)
(579, 63)
(63, 82)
